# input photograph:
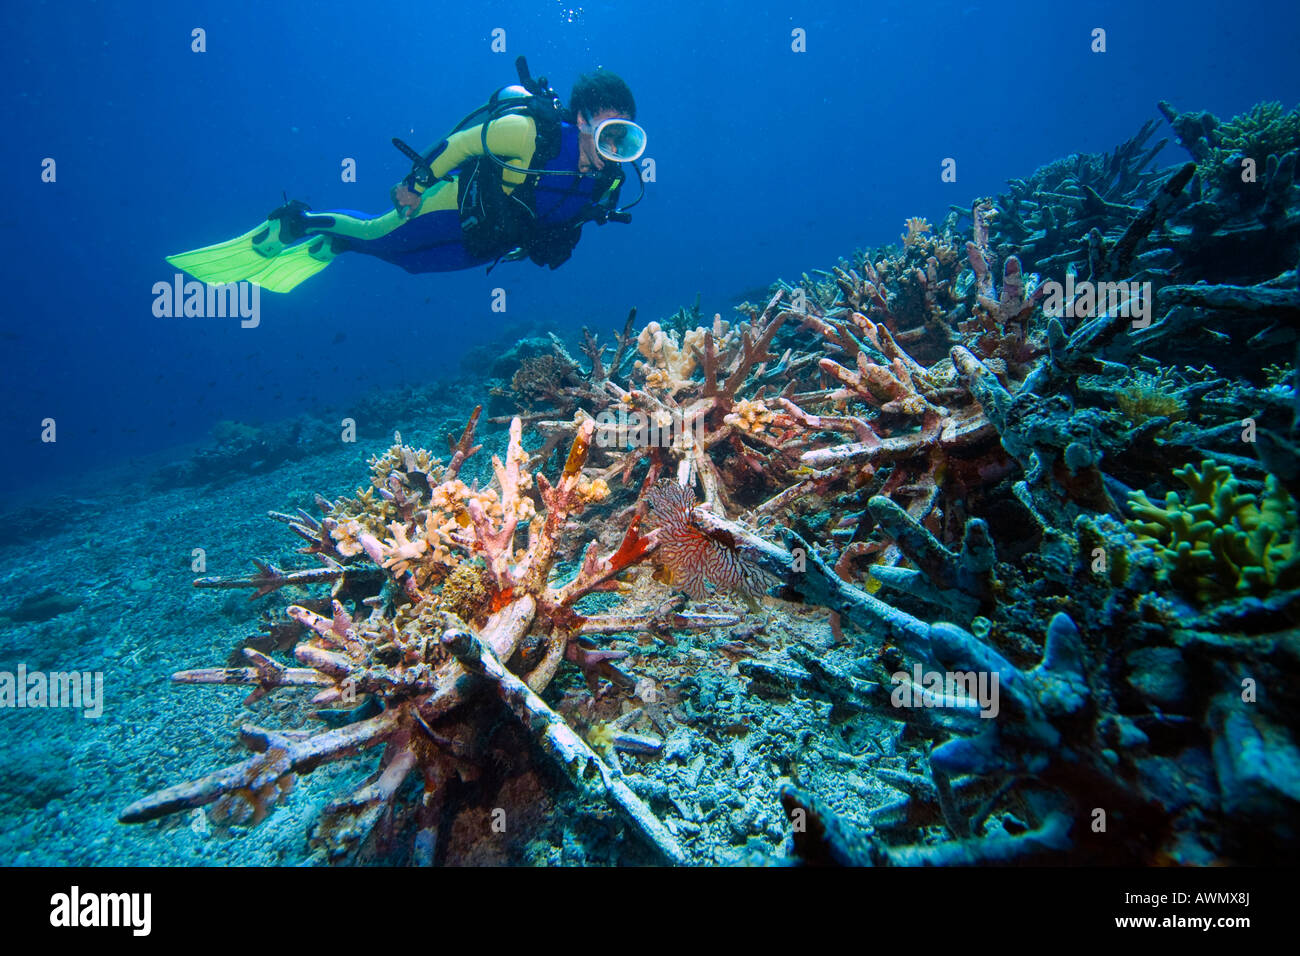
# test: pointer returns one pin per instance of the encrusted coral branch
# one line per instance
(584, 768)
(271, 579)
(279, 756)
(465, 447)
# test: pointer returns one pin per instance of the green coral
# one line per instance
(1267, 129)
(1217, 541)
(1279, 374)
(1147, 396)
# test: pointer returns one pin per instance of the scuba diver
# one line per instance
(516, 178)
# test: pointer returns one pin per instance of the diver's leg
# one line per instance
(297, 221)
(295, 243)
(430, 241)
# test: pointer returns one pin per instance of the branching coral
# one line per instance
(1267, 129)
(1050, 734)
(690, 411)
(900, 414)
(1151, 396)
(1217, 541)
(409, 654)
(999, 332)
(903, 387)
(544, 380)
(669, 365)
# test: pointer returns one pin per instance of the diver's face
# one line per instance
(589, 159)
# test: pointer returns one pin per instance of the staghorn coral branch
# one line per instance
(497, 544)
(1120, 258)
(335, 665)
(1277, 303)
(893, 448)
(561, 500)
(337, 631)
(272, 578)
(625, 339)
(653, 621)
(346, 823)
(503, 632)
(1044, 843)
(315, 533)
(837, 332)
(465, 447)
(754, 349)
(594, 350)
(969, 572)
(585, 769)
(826, 840)
(286, 755)
(994, 399)
(266, 673)
(596, 572)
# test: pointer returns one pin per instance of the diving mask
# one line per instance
(618, 140)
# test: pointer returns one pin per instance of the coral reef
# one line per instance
(962, 441)
(398, 647)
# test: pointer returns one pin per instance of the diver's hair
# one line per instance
(601, 90)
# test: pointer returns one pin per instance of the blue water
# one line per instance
(769, 162)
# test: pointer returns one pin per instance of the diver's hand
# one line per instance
(406, 200)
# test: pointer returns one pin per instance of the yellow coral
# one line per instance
(669, 364)
(589, 490)
(403, 460)
(600, 737)
(1217, 541)
(345, 535)
(917, 226)
(655, 378)
(464, 593)
(750, 416)
(1149, 397)
(1279, 374)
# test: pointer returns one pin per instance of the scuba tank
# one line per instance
(530, 97)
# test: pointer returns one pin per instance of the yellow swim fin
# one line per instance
(258, 257)
(295, 265)
(231, 261)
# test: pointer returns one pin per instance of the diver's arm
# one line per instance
(513, 138)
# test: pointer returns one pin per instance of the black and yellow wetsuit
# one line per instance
(432, 239)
